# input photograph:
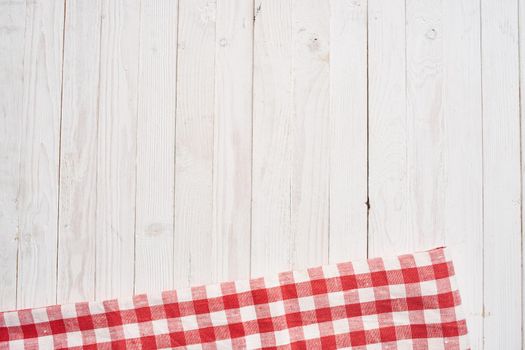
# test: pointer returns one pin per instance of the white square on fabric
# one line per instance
(155, 300)
(39, 316)
(248, 313)
(131, 330)
(242, 286)
(380, 346)
(432, 316)
(405, 344)
(360, 267)
(17, 344)
(391, 264)
(253, 341)
(311, 331)
(68, 311)
(306, 303)
(189, 322)
(45, 342)
(276, 308)
(370, 322)
(160, 326)
(366, 294)
(184, 294)
(11, 319)
(96, 308)
(397, 291)
(219, 318)
(436, 343)
(300, 276)
(102, 335)
(428, 288)
(213, 291)
(282, 337)
(271, 282)
(74, 339)
(401, 318)
(453, 284)
(224, 344)
(464, 342)
(127, 304)
(336, 299)
(422, 259)
(331, 271)
(341, 326)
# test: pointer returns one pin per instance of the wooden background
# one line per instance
(152, 144)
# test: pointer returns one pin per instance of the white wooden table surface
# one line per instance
(152, 144)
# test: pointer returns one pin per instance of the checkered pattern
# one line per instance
(408, 302)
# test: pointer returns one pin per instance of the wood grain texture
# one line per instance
(272, 116)
(195, 246)
(462, 118)
(233, 138)
(348, 130)
(425, 123)
(501, 175)
(389, 230)
(155, 162)
(147, 145)
(117, 148)
(12, 35)
(436, 198)
(78, 152)
(521, 28)
(39, 154)
(310, 132)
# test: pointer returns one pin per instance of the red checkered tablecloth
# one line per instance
(407, 302)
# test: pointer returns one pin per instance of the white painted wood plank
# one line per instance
(156, 146)
(388, 163)
(310, 132)
(272, 112)
(425, 161)
(12, 28)
(436, 193)
(348, 130)
(78, 158)
(117, 137)
(233, 138)
(39, 157)
(521, 44)
(501, 175)
(195, 246)
(462, 147)
(426, 129)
